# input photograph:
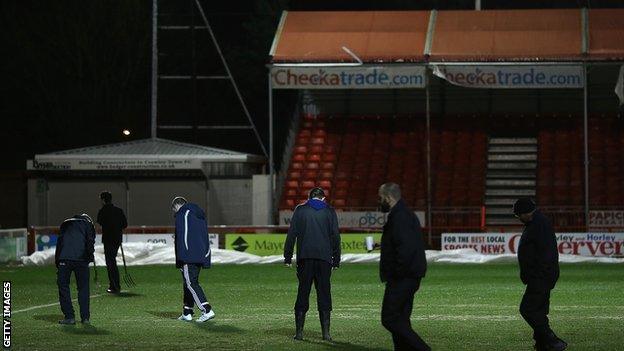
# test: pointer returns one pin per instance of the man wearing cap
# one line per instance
(314, 227)
(113, 222)
(192, 253)
(539, 270)
(74, 251)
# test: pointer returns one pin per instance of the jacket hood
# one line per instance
(195, 210)
(317, 204)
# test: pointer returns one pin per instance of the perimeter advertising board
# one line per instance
(273, 244)
(355, 219)
(584, 244)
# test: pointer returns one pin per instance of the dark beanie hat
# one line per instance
(523, 205)
(316, 193)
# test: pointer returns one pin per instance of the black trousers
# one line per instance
(396, 310)
(193, 292)
(110, 253)
(318, 272)
(63, 275)
(535, 307)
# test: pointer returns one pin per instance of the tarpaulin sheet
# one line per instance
(146, 254)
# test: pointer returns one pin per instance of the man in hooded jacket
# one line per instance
(192, 250)
(74, 251)
(314, 227)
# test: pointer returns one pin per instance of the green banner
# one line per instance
(273, 244)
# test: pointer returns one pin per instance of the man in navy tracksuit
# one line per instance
(314, 227)
(74, 251)
(192, 249)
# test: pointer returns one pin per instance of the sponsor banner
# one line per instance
(273, 244)
(112, 164)
(358, 77)
(48, 241)
(355, 219)
(512, 77)
(606, 219)
(583, 244)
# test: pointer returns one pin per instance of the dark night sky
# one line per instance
(75, 73)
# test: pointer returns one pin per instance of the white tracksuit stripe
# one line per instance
(186, 228)
(188, 286)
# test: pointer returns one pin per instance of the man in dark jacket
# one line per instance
(539, 271)
(113, 222)
(192, 250)
(314, 227)
(402, 265)
(74, 251)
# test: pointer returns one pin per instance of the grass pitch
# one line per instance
(459, 307)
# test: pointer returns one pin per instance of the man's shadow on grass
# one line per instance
(78, 329)
(213, 325)
(315, 338)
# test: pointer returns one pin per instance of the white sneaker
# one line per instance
(186, 317)
(205, 316)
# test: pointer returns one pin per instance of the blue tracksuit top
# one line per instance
(191, 236)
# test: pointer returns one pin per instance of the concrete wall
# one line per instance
(261, 201)
(230, 201)
(150, 200)
(227, 201)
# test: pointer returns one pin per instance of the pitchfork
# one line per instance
(127, 278)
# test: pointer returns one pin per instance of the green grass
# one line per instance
(459, 307)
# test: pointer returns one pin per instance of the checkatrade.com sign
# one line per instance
(512, 77)
(359, 77)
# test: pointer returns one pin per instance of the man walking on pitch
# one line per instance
(539, 271)
(113, 221)
(74, 251)
(402, 265)
(192, 250)
(314, 227)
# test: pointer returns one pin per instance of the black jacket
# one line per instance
(537, 252)
(113, 222)
(75, 241)
(314, 227)
(402, 246)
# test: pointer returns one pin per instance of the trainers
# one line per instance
(206, 316)
(67, 321)
(112, 291)
(186, 317)
(85, 321)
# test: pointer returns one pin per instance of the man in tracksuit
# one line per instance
(539, 271)
(402, 265)
(74, 251)
(192, 250)
(113, 222)
(314, 227)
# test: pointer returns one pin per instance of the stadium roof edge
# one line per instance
(154, 149)
(489, 36)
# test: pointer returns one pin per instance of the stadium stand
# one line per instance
(350, 156)
(606, 156)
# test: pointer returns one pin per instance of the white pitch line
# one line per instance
(49, 305)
